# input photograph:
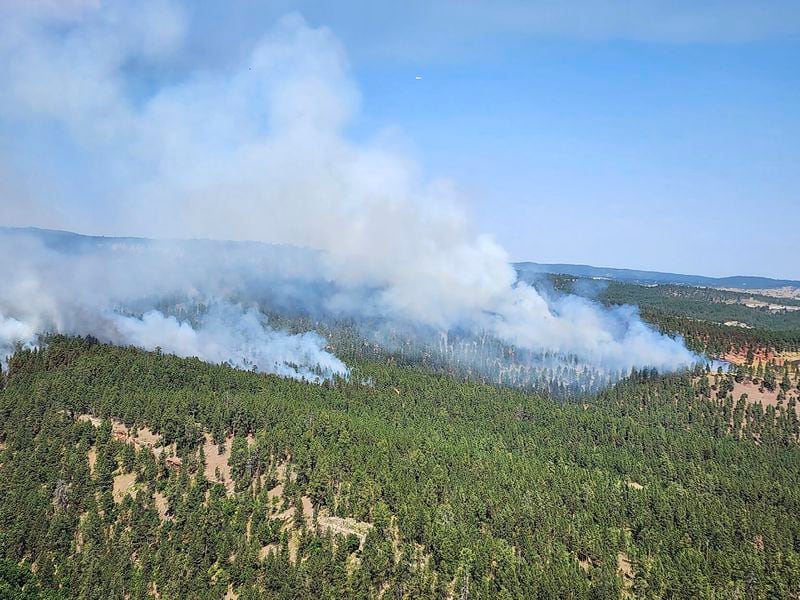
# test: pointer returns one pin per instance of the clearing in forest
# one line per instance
(625, 570)
(123, 485)
(217, 467)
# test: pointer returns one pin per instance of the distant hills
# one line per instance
(65, 241)
(532, 270)
(68, 242)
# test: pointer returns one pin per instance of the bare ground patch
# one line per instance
(308, 509)
(91, 456)
(342, 526)
(162, 506)
(762, 356)
(217, 467)
(124, 485)
(146, 438)
(143, 437)
(781, 292)
(755, 394)
(96, 421)
(584, 562)
(276, 492)
(280, 471)
(267, 550)
(625, 569)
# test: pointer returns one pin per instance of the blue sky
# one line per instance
(666, 137)
(624, 145)
(653, 154)
(645, 155)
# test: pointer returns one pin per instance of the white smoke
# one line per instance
(93, 290)
(259, 151)
(228, 334)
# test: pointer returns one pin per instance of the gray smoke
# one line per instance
(229, 334)
(256, 150)
(114, 291)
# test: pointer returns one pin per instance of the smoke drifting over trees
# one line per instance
(251, 151)
(118, 291)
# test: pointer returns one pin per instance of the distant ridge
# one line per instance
(530, 270)
(68, 241)
(75, 242)
(60, 240)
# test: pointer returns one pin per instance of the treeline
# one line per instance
(699, 314)
(704, 294)
(702, 304)
(473, 490)
(715, 339)
(704, 401)
(17, 582)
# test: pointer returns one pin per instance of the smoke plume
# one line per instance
(117, 289)
(107, 126)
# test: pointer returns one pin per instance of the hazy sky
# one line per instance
(664, 137)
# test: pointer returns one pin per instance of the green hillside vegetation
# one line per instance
(715, 339)
(702, 304)
(660, 487)
(700, 314)
(530, 271)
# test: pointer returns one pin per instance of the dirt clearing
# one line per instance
(345, 527)
(625, 569)
(91, 455)
(162, 506)
(124, 485)
(754, 394)
(217, 467)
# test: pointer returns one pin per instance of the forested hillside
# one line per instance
(704, 304)
(712, 321)
(128, 474)
(715, 322)
(531, 271)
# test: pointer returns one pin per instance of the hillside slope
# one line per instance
(124, 474)
(531, 270)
